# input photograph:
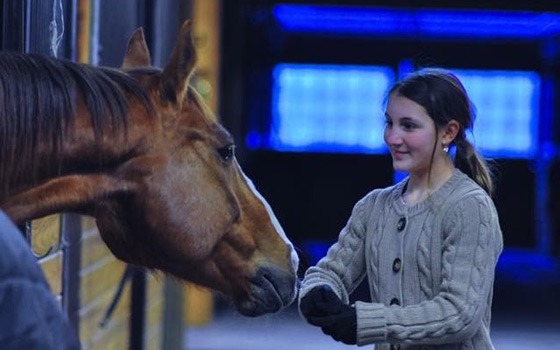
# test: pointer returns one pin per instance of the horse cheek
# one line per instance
(192, 220)
(207, 222)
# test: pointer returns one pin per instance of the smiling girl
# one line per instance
(428, 245)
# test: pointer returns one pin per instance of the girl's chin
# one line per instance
(398, 166)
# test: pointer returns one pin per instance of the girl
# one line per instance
(428, 245)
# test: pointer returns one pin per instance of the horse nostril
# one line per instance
(272, 278)
(268, 278)
(273, 281)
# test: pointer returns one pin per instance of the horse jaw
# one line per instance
(257, 257)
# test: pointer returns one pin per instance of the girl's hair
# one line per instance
(444, 98)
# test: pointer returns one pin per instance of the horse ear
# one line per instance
(137, 53)
(176, 74)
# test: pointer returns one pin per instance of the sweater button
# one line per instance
(401, 224)
(395, 301)
(397, 264)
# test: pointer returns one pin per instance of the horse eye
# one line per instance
(227, 152)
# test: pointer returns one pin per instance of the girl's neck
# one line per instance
(422, 184)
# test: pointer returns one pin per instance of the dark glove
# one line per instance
(323, 308)
(319, 302)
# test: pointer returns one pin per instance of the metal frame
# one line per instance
(71, 236)
(13, 25)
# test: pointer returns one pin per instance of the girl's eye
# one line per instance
(227, 153)
(388, 122)
(408, 126)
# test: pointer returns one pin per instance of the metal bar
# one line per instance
(13, 25)
(173, 315)
(71, 246)
(70, 14)
(138, 309)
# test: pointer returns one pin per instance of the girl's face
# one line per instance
(410, 134)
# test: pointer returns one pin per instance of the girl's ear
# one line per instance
(449, 132)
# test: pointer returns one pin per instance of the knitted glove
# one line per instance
(323, 308)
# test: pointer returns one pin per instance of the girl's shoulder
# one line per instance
(468, 199)
(381, 196)
(464, 189)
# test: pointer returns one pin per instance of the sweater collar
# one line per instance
(435, 200)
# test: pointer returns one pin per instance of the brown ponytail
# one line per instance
(472, 164)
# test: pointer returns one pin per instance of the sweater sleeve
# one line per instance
(472, 242)
(343, 268)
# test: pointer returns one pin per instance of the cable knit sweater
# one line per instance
(430, 267)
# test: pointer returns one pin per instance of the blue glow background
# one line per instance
(435, 23)
(329, 108)
(339, 108)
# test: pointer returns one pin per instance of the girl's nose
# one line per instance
(392, 137)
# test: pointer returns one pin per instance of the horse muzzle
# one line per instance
(271, 289)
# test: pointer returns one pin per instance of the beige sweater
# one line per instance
(430, 267)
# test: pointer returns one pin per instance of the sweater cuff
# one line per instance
(372, 325)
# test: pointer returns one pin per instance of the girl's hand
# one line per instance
(323, 308)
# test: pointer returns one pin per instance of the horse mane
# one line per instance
(38, 97)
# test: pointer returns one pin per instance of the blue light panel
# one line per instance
(328, 108)
(507, 105)
(336, 108)
(481, 24)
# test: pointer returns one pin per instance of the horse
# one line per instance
(137, 149)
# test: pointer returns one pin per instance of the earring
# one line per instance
(446, 148)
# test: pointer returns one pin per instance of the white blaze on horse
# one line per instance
(138, 150)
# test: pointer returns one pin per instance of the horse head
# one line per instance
(199, 217)
(173, 197)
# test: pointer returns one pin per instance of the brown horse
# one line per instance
(138, 150)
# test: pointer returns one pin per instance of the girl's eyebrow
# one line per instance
(406, 119)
